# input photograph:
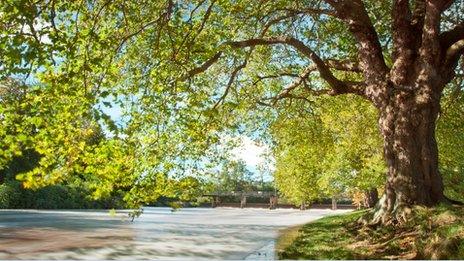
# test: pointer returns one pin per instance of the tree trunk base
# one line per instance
(390, 215)
(384, 215)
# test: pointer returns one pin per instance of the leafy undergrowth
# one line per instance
(432, 233)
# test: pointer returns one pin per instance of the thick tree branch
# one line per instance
(418, 14)
(202, 68)
(453, 53)
(450, 37)
(403, 42)
(452, 46)
(349, 87)
(321, 66)
(432, 41)
(430, 49)
(347, 66)
(371, 59)
(444, 4)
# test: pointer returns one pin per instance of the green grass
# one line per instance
(432, 233)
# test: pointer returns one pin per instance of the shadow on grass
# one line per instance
(431, 233)
(327, 238)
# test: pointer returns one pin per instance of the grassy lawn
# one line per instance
(435, 233)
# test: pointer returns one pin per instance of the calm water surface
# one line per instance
(193, 233)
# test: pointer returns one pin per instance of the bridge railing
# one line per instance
(258, 194)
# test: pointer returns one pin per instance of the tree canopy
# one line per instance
(184, 73)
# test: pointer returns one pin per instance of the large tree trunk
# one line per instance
(407, 125)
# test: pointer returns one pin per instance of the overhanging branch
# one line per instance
(453, 53)
(321, 66)
(448, 38)
(349, 87)
(203, 67)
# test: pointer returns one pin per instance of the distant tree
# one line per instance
(233, 175)
(332, 151)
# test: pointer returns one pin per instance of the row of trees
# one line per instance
(334, 151)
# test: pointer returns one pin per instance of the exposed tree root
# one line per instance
(384, 215)
(454, 202)
(390, 215)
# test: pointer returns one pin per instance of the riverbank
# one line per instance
(435, 233)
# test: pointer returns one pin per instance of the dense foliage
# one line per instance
(450, 138)
(13, 195)
(332, 151)
(130, 97)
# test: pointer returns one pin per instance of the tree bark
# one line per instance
(371, 197)
(407, 123)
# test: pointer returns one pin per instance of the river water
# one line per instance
(190, 233)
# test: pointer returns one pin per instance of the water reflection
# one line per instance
(200, 233)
